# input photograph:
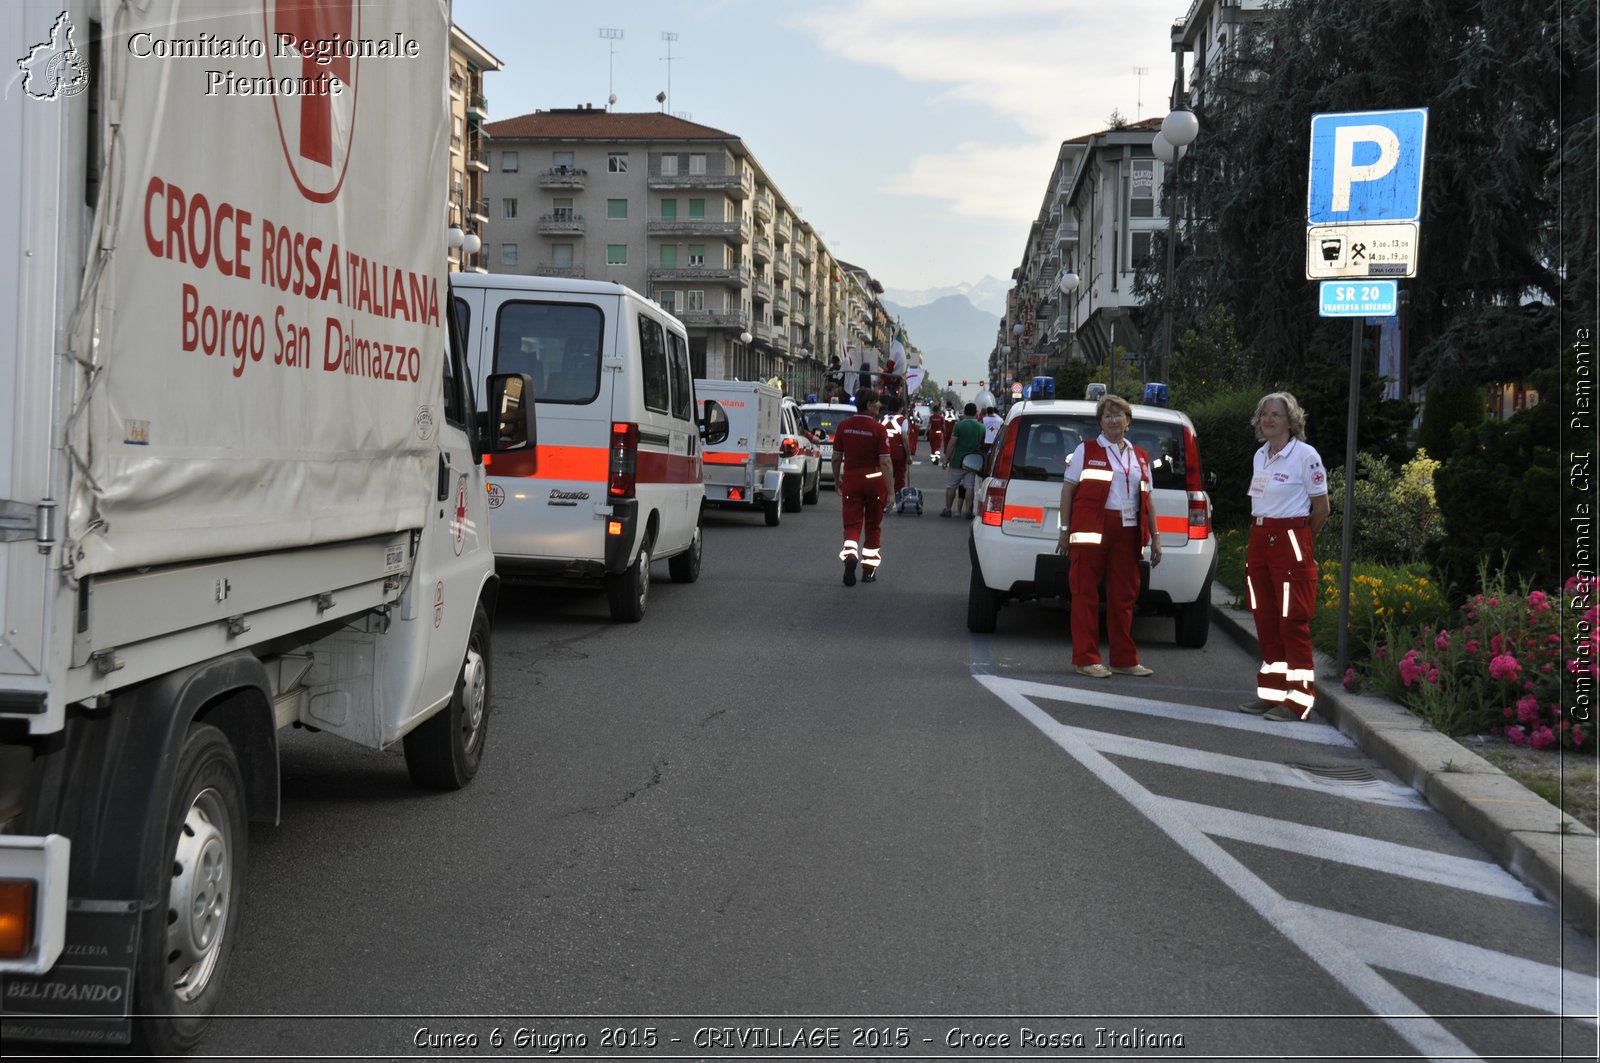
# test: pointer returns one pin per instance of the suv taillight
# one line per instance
(624, 474)
(1194, 483)
(1007, 447)
(789, 447)
(994, 502)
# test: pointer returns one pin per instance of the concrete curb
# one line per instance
(1516, 826)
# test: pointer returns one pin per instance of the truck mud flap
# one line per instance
(87, 997)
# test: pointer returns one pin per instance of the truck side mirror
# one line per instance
(511, 421)
(713, 424)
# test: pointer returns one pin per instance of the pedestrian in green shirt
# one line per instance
(966, 438)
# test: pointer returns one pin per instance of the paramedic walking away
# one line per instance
(899, 452)
(861, 445)
(1108, 518)
(1288, 505)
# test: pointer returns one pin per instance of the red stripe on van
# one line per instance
(719, 457)
(554, 463)
(656, 468)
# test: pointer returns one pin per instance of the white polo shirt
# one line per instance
(991, 427)
(1284, 484)
(1125, 472)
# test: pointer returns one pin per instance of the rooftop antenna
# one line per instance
(1138, 99)
(661, 98)
(612, 35)
(669, 37)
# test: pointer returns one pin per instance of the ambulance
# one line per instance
(743, 471)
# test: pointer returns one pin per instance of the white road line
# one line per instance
(1377, 792)
(1458, 872)
(1454, 963)
(1176, 710)
(1426, 1035)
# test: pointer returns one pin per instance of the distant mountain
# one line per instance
(988, 294)
(954, 336)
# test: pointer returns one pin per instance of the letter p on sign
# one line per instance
(1366, 166)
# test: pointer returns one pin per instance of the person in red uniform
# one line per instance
(899, 453)
(861, 445)
(1105, 501)
(936, 432)
(1288, 506)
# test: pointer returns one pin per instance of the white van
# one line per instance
(743, 472)
(618, 482)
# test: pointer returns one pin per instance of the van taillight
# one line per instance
(624, 476)
(1194, 483)
(994, 502)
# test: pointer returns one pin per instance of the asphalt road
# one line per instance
(780, 812)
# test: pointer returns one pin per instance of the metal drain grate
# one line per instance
(1346, 775)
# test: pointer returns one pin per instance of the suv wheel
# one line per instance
(983, 605)
(1193, 623)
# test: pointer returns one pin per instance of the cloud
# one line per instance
(978, 180)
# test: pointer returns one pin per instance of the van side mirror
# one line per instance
(510, 423)
(713, 424)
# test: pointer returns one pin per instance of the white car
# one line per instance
(800, 461)
(1013, 541)
(823, 418)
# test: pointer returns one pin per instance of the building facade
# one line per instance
(469, 149)
(683, 213)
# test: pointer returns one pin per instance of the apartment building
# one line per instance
(681, 212)
(469, 111)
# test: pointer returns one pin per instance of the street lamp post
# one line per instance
(1016, 343)
(1178, 130)
(1067, 283)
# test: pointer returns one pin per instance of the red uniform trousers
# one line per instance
(863, 493)
(936, 439)
(912, 429)
(1282, 576)
(899, 463)
(1116, 557)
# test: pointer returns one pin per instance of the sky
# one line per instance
(917, 136)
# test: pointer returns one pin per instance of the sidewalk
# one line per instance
(1514, 825)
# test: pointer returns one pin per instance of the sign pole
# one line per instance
(1348, 525)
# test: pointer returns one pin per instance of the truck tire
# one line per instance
(811, 497)
(187, 940)
(773, 507)
(983, 605)
(444, 751)
(1193, 622)
(685, 567)
(791, 492)
(627, 592)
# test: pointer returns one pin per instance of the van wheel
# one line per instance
(626, 591)
(811, 497)
(983, 605)
(443, 752)
(685, 567)
(774, 511)
(1193, 622)
(187, 939)
(791, 492)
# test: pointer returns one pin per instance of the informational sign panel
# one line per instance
(1376, 250)
(1370, 298)
(1364, 193)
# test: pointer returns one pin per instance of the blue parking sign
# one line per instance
(1366, 166)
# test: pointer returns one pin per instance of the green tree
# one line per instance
(1210, 360)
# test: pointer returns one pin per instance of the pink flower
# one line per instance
(1504, 666)
(1543, 738)
(1577, 736)
(1547, 668)
(1349, 678)
(1441, 642)
(1552, 640)
(1528, 687)
(1510, 713)
(1538, 600)
(1381, 652)
(1494, 601)
(1472, 645)
(1494, 645)
(1516, 736)
(1528, 709)
(1433, 675)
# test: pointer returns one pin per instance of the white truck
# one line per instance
(742, 471)
(241, 485)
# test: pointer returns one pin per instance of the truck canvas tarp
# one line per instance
(233, 315)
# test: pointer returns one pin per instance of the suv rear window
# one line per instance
(1044, 443)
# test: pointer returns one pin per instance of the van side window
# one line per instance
(455, 405)
(557, 344)
(653, 355)
(682, 385)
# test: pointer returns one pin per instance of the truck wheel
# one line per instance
(443, 752)
(685, 567)
(1193, 622)
(187, 940)
(810, 497)
(774, 511)
(626, 591)
(983, 605)
(791, 492)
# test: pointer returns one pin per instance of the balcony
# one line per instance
(480, 211)
(802, 250)
(547, 269)
(780, 302)
(763, 207)
(781, 232)
(477, 147)
(798, 315)
(561, 225)
(763, 289)
(737, 185)
(780, 266)
(478, 107)
(717, 319)
(763, 330)
(801, 282)
(563, 177)
(780, 339)
(761, 248)
(727, 230)
(736, 275)
(1066, 234)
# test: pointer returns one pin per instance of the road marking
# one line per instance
(1455, 963)
(1424, 865)
(1376, 792)
(1291, 919)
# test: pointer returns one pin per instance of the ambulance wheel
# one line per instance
(983, 605)
(791, 493)
(626, 592)
(685, 567)
(773, 507)
(812, 496)
(187, 939)
(443, 752)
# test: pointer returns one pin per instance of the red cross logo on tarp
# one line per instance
(320, 146)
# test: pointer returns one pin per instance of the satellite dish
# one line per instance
(613, 99)
(661, 97)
